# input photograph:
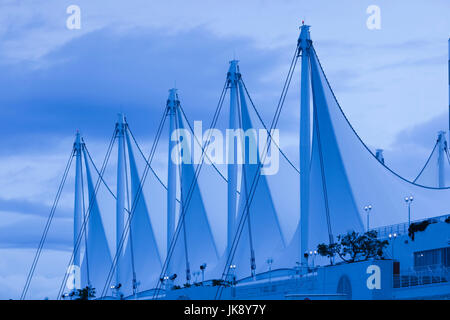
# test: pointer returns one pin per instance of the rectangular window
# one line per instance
(433, 257)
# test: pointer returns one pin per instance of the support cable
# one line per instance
(324, 181)
(180, 170)
(190, 192)
(359, 138)
(244, 176)
(84, 219)
(133, 207)
(257, 175)
(47, 227)
(264, 125)
(147, 163)
(201, 144)
(426, 163)
(133, 269)
(85, 222)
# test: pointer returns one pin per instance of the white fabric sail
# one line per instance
(359, 172)
(346, 176)
(141, 252)
(97, 258)
(194, 244)
(261, 231)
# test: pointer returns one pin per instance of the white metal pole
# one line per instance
(441, 158)
(304, 44)
(120, 203)
(232, 78)
(78, 205)
(172, 104)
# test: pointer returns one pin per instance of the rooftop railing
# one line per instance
(420, 276)
(402, 228)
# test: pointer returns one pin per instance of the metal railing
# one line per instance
(402, 228)
(420, 276)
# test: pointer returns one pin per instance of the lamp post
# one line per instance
(313, 254)
(408, 201)
(202, 268)
(196, 274)
(306, 256)
(368, 209)
(269, 262)
(393, 236)
(232, 270)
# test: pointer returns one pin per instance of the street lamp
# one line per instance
(408, 201)
(196, 274)
(393, 236)
(367, 209)
(269, 262)
(233, 276)
(202, 268)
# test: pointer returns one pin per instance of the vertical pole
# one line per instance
(78, 205)
(304, 44)
(172, 104)
(368, 220)
(441, 158)
(409, 213)
(232, 78)
(120, 204)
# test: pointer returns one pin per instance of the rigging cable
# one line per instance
(257, 175)
(133, 207)
(127, 148)
(264, 125)
(84, 218)
(322, 170)
(246, 212)
(91, 199)
(190, 191)
(200, 144)
(426, 163)
(47, 226)
(147, 163)
(180, 170)
(361, 141)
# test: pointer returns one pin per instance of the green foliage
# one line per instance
(217, 282)
(418, 227)
(353, 247)
(85, 293)
(328, 250)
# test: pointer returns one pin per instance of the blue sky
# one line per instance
(392, 83)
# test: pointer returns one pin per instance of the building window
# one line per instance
(435, 257)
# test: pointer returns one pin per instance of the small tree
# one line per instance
(328, 250)
(354, 247)
(85, 293)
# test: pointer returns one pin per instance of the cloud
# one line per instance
(412, 146)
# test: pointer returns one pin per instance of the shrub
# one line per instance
(354, 247)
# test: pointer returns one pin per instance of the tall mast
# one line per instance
(172, 104)
(120, 204)
(78, 206)
(441, 158)
(232, 79)
(304, 45)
